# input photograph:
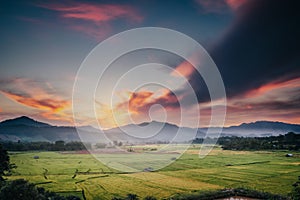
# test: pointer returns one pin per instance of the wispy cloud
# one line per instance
(93, 19)
(277, 100)
(43, 104)
(272, 86)
(236, 4)
(36, 95)
(219, 6)
(185, 69)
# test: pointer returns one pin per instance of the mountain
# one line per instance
(26, 121)
(26, 129)
(262, 128)
(152, 132)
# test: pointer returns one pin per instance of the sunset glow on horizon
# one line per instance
(44, 44)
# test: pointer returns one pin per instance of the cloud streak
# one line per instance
(93, 19)
(43, 104)
(185, 69)
(219, 6)
(35, 95)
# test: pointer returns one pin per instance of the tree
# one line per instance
(295, 194)
(21, 189)
(132, 197)
(4, 162)
(150, 198)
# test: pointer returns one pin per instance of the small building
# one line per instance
(289, 155)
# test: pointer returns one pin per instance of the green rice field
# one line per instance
(260, 170)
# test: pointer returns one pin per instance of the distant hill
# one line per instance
(26, 121)
(262, 128)
(153, 132)
(27, 129)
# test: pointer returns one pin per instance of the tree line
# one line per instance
(289, 141)
(44, 146)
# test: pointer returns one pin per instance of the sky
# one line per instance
(254, 44)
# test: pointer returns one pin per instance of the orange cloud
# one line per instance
(136, 108)
(43, 104)
(96, 16)
(138, 99)
(140, 102)
(58, 117)
(38, 95)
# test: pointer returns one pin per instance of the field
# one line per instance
(261, 170)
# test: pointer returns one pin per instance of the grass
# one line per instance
(261, 170)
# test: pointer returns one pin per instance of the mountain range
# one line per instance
(27, 129)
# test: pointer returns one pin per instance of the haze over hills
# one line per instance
(26, 129)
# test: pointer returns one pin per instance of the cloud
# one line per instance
(258, 57)
(37, 95)
(140, 102)
(219, 6)
(43, 104)
(136, 108)
(184, 69)
(93, 19)
(96, 12)
(236, 4)
(261, 46)
(272, 86)
(277, 100)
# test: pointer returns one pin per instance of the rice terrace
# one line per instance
(268, 171)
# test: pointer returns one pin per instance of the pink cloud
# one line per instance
(219, 6)
(269, 87)
(185, 69)
(235, 4)
(93, 19)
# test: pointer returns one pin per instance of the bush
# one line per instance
(211, 195)
(23, 190)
